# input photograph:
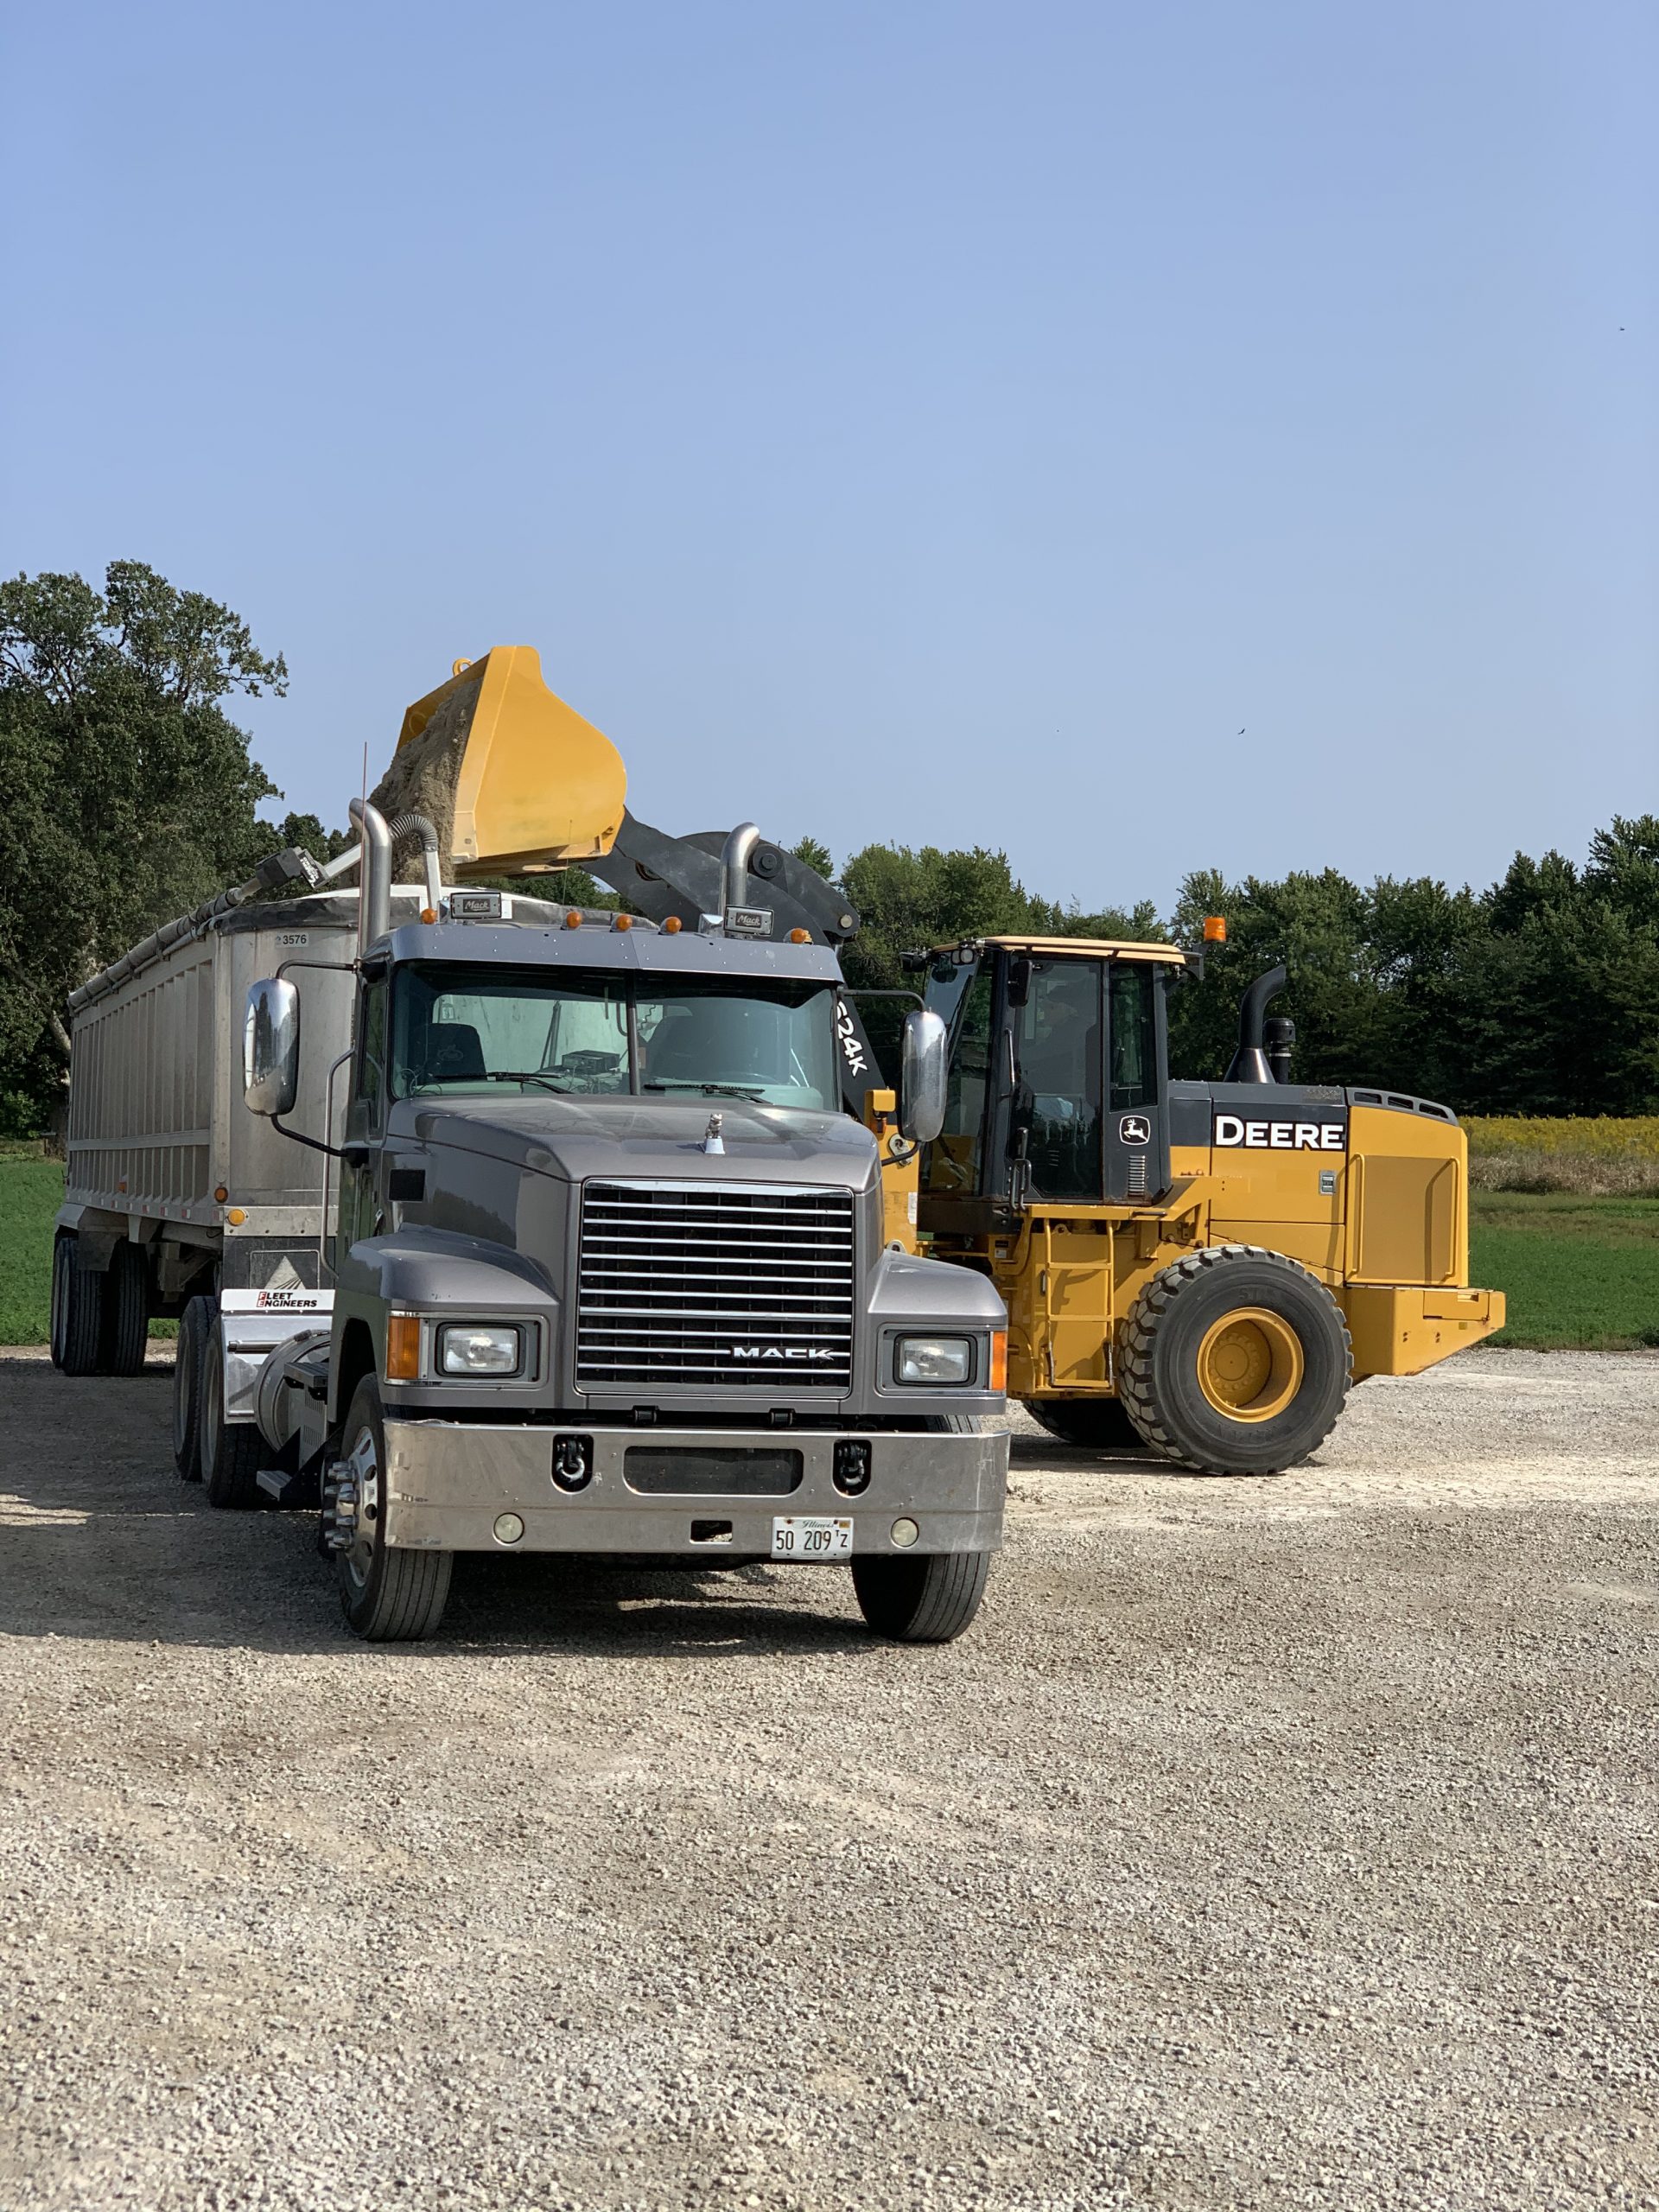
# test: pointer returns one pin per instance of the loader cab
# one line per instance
(1059, 1078)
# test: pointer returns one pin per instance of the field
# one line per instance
(31, 1192)
(1591, 1157)
(1580, 1273)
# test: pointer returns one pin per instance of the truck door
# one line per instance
(366, 1120)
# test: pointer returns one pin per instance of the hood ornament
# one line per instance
(713, 1141)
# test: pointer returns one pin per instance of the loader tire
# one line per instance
(194, 1323)
(387, 1596)
(126, 1311)
(233, 1452)
(1235, 1361)
(78, 1304)
(1099, 1424)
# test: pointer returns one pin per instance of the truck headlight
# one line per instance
(481, 1348)
(935, 1359)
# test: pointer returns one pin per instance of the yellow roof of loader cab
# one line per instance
(509, 775)
(1094, 946)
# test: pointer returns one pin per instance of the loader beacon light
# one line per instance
(1215, 928)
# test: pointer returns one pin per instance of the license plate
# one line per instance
(812, 1536)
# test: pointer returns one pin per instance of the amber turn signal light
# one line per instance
(403, 1347)
(999, 1359)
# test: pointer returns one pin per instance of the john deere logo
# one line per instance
(1134, 1128)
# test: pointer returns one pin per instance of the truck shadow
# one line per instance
(99, 1538)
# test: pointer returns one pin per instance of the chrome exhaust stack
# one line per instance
(374, 876)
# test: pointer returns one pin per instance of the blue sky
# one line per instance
(930, 423)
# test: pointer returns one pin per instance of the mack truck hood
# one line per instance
(572, 1138)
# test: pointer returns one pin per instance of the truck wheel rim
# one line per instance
(358, 1559)
(1250, 1364)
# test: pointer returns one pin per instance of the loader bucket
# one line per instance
(511, 779)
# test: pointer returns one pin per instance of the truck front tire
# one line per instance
(233, 1452)
(927, 1600)
(387, 1596)
(1235, 1361)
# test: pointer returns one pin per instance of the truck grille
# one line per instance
(685, 1283)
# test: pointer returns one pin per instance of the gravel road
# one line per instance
(1266, 1843)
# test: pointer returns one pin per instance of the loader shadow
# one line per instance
(1044, 1454)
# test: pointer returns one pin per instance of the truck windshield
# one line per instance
(475, 1030)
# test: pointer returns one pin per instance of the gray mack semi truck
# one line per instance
(495, 1226)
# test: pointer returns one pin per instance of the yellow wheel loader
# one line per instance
(1204, 1267)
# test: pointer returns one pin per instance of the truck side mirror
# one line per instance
(270, 1047)
(922, 1076)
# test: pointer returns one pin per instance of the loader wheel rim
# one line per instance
(1250, 1364)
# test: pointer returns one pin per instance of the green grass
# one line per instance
(1577, 1272)
(31, 1191)
(1581, 1273)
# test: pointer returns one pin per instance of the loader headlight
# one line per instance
(481, 1348)
(935, 1359)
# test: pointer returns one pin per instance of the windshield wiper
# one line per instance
(722, 1090)
(524, 1075)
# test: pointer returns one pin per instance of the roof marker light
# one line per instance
(672, 927)
(573, 920)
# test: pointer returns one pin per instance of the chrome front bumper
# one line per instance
(447, 1483)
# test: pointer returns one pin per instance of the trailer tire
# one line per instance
(193, 1326)
(1235, 1361)
(1100, 1424)
(927, 1600)
(233, 1452)
(387, 1596)
(126, 1311)
(78, 1304)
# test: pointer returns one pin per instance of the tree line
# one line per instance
(128, 794)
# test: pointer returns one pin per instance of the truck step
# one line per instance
(292, 1491)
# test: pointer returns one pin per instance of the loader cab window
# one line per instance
(951, 1165)
(1058, 1065)
(1134, 1034)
